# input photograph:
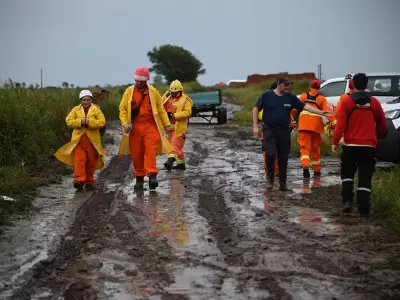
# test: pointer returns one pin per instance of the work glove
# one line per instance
(170, 115)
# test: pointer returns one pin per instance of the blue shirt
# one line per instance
(277, 108)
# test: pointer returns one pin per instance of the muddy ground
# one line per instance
(210, 232)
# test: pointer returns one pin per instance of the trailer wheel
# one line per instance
(222, 115)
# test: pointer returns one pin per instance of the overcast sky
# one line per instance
(88, 42)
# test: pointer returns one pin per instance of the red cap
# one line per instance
(141, 74)
(351, 85)
(315, 84)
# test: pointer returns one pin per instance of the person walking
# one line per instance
(277, 105)
(179, 109)
(310, 128)
(84, 152)
(361, 122)
(144, 120)
(260, 118)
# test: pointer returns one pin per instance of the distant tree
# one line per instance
(24, 85)
(31, 86)
(174, 62)
(65, 85)
(72, 85)
(37, 86)
(17, 85)
(158, 79)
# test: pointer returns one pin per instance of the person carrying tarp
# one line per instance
(178, 106)
(310, 129)
(143, 120)
(84, 152)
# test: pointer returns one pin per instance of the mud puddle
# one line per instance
(214, 232)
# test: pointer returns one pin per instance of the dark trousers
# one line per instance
(361, 159)
(277, 141)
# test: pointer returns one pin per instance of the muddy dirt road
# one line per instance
(211, 232)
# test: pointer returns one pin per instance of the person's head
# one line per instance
(86, 98)
(351, 84)
(176, 88)
(315, 84)
(360, 81)
(273, 86)
(141, 76)
(283, 84)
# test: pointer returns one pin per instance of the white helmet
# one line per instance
(84, 93)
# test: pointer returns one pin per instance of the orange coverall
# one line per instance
(85, 157)
(177, 142)
(145, 134)
(310, 128)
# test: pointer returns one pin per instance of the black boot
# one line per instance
(153, 183)
(89, 187)
(317, 174)
(179, 167)
(347, 196)
(169, 163)
(306, 173)
(283, 187)
(139, 183)
(79, 186)
(363, 203)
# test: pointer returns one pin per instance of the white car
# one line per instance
(386, 88)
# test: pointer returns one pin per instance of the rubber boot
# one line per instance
(306, 173)
(78, 186)
(283, 187)
(179, 167)
(169, 163)
(348, 207)
(317, 174)
(153, 183)
(270, 183)
(363, 203)
(139, 183)
(89, 187)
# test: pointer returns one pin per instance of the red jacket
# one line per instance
(365, 125)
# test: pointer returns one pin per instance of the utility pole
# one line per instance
(41, 78)
(320, 72)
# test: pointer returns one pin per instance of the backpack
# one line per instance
(365, 106)
(312, 100)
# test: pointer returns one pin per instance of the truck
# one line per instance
(208, 106)
(386, 88)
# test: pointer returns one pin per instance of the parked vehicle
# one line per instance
(208, 105)
(386, 88)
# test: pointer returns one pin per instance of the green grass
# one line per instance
(386, 196)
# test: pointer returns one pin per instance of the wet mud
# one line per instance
(210, 232)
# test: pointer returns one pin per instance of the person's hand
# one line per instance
(255, 131)
(169, 127)
(84, 122)
(327, 113)
(334, 148)
(127, 128)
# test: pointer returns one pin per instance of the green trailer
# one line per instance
(208, 105)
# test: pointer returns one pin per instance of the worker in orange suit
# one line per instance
(84, 152)
(260, 118)
(144, 121)
(179, 109)
(310, 128)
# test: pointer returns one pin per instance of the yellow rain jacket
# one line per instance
(183, 113)
(96, 121)
(160, 116)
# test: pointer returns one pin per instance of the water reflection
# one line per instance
(165, 213)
